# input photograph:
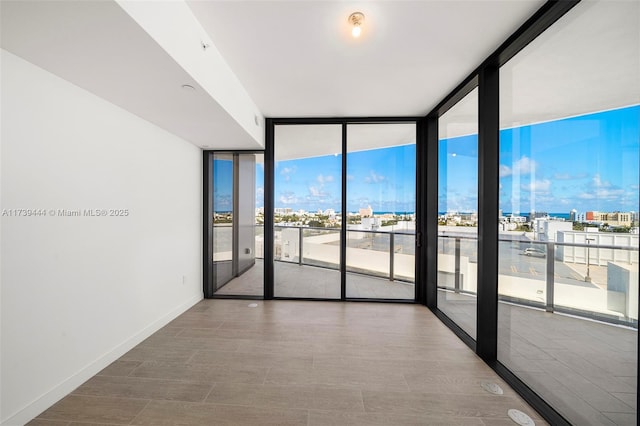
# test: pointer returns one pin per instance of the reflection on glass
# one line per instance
(222, 219)
(381, 175)
(458, 212)
(238, 217)
(307, 216)
(569, 155)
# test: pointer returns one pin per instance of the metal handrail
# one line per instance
(391, 235)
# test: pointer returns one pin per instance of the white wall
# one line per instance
(78, 292)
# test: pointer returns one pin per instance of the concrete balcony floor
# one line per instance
(587, 370)
(304, 281)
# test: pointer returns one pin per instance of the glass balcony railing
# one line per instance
(590, 280)
(587, 280)
(380, 254)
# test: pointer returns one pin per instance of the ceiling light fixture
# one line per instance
(356, 19)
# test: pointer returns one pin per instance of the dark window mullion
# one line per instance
(343, 229)
(488, 191)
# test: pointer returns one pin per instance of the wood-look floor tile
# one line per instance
(336, 418)
(201, 373)
(221, 358)
(442, 405)
(153, 353)
(95, 409)
(91, 424)
(299, 363)
(622, 419)
(173, 413)
(208, 344)
(302, 397)
(439, 381)
(274, 347)
(508, 422)
(196, 321)
(43, 422)
(120, 367)
(342, 377)
(136, 387)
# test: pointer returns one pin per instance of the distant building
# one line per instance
(282, 210)
(546, 229)
(537, 215)
(610, 218)
(368, 212)
(573, 215)
(516, 219)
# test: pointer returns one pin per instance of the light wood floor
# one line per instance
(294, 363)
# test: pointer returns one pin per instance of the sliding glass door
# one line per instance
(344, 227)
(381, 200)
(307, 213)
(235, 223)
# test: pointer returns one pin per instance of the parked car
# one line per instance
(534, 251)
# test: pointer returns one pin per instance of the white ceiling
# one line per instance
(297, 58)
(311, 140)
(97, 46)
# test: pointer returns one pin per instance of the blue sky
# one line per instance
(381, 178)
(585, 163)
(589, 162)
(223, 185)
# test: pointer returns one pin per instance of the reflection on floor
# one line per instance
(461, 308)
(586, 370)
(293, 280)
(294, 363)
(251, 283)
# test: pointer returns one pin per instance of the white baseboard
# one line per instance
(45, 401)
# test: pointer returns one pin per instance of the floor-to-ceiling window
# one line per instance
(344, 209)
(381, 200)
(458, 212)
(307, 211)
(568, 239)
(235, 217)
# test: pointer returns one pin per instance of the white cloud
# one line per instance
(567, 176)
(288, 198)
(505, 171)
(539, 186)
(523, 166)
(374, 178)
(324, 179)
(601, 190)
(316, 192)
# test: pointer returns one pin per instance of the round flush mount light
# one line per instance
(356, 19)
